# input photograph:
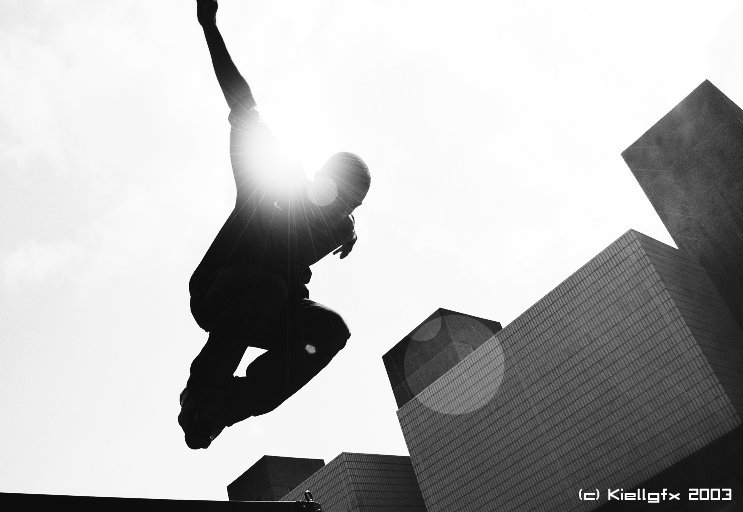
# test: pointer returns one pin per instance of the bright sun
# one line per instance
(301, 141)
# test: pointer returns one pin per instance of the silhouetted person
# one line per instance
(250, 287)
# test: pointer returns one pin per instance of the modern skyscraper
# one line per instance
(627, 367)
(690, 165)
(362, 482)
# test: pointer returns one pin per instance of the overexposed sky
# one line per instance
(493, 131)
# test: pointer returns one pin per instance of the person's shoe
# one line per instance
(200, 425)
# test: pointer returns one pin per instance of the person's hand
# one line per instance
(347, 247)
(206, 12)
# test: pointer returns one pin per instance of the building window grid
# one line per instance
(577, 283)
(594, 305)
(561, 382)
(594, 484)
(718, 320)
(681, 431)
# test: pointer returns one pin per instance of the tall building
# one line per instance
(690, 165)
(271, 477)
(361, 482)
(625, 369)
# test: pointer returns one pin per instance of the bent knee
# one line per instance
(341, 335)
(331, 337)
(337, 330)
(338, 334)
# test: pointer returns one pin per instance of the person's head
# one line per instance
(341, 184)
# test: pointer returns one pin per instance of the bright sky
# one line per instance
(493, 131)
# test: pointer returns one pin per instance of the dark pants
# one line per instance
(242, 306)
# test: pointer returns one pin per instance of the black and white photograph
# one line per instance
(371, 255)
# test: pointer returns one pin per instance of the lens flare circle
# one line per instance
(428, 330)
(476, 380)
(322, 191)
(472, 382)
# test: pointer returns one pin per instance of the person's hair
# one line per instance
(349, 172)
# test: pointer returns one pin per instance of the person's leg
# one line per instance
(319, 334)
(240, 305)
(239, 308)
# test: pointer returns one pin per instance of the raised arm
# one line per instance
(235, 88)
